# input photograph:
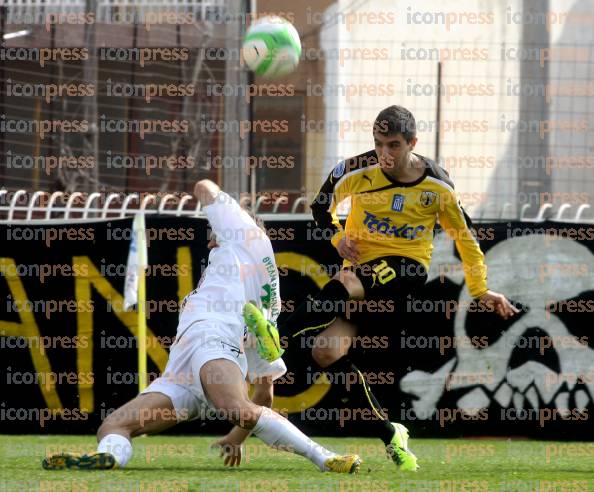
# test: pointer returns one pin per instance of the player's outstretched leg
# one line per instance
(222, 381)
(145, 414)
(331, 357)
(334, 361)
(398, 450)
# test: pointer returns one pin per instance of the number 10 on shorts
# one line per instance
(383, 272)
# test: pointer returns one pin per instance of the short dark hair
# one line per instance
(396, 119)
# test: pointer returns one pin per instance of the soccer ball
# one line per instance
(271, 47)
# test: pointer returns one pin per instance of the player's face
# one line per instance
(392, 150)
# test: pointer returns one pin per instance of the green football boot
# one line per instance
(398, 450)
(266, 333)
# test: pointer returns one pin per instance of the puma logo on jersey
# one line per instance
(368, 179)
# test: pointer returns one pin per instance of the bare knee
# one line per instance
(351, 283)
(325, 356)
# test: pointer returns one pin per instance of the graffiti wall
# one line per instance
(440, 363)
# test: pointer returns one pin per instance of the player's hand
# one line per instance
(230, 449)
(498, 303)
(231, 446)
(346, 249)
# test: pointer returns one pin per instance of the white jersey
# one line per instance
(241, 269)
(211, 322)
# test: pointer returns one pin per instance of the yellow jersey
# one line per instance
(392, 218)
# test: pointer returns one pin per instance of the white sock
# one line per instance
(118, 446)
(277, 431)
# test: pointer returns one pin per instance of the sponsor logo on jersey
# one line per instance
(385, 227)
(271, 288)
(339, 170)
(398, 203)
(265, 299)
(428, 198)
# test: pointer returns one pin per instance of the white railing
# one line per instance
(59, 206)
(41, 206)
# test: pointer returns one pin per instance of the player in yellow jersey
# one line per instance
(397, 196)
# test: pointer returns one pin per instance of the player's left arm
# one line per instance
(231, 444)
(457, 224)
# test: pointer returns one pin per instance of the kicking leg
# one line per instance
(222, 382)
(330, 352)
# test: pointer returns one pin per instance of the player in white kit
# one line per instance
(207, 364)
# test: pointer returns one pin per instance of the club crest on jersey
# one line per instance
(398, 203)
(339, 170)
(428, 198)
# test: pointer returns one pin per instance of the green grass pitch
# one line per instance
(183, 463)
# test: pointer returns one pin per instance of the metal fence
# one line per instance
(113, 85)
(47, 207)
(505, 106)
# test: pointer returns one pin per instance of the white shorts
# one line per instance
(196, 346)
(181, 379)
(258, 367)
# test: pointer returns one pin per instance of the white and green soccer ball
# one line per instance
(272, 47)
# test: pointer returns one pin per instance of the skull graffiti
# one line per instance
(537, 271)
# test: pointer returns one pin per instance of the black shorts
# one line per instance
(388, 282)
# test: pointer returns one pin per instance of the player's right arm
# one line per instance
(206, 192)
